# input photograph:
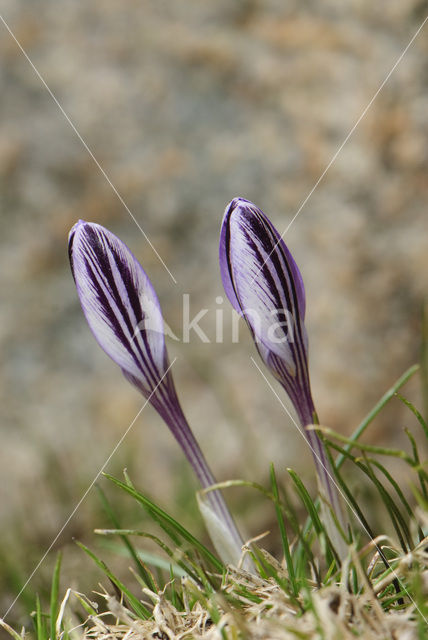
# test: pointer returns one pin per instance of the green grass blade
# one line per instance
(313, 514)
(86, 604)
(40, 622)
(398, 522)
(269, 570)
(173, 556)
(153, 515)
(141, 569)
(418, 469)
(376, 410)
(303, 558)
(424, 358)
(420, 499)
(415, 412)
(347, 492)
(148, 558)
(54, 603)
(356, 508)
(174, 597)
(370, 448)
(346, 535)
(140, 610)
(307, 501)
(421, 609)
(283, 532)
(417, 462)
(394, 513)
(165, 518)
(397, 489)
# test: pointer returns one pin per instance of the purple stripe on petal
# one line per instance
(264, 284)
(119, 303)
(225, 261)
(262, 278)
(271, 237)
(258, 276)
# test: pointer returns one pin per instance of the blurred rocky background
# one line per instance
(186, 105)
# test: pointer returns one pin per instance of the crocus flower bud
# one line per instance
(123, 312)
(264, 285)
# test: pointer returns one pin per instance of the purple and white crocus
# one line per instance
(123, 312)
(264, 285)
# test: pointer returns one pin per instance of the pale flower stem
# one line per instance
(185, 438)
(328, 492)
(308, 418)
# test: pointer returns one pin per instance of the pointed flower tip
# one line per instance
(238, 209)
(255, 263)
(119, 303)
(79, 224)
(264, 284)
(76, 226)
(236, 202)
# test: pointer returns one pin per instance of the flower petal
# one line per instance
(119, 303)
(260, 277)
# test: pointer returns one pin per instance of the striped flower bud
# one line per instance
(264, 285)
(123, 312)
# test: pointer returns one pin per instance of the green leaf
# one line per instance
(424, 358)
(86, 604)
(398, 522)
(152, 559)
(307, 501)
(397, 489)
(168, 523)
(283, 532)
(141, 569)
(54, 604)
(268, 570)
(136, 605)
(383, 451)
(415, 412)
(376, 410)
(40, 622)
(173, 556)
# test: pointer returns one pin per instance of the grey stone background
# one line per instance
(186, 105)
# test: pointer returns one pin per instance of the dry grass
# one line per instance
(248, 606)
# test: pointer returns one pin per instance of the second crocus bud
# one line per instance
(264, 285)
